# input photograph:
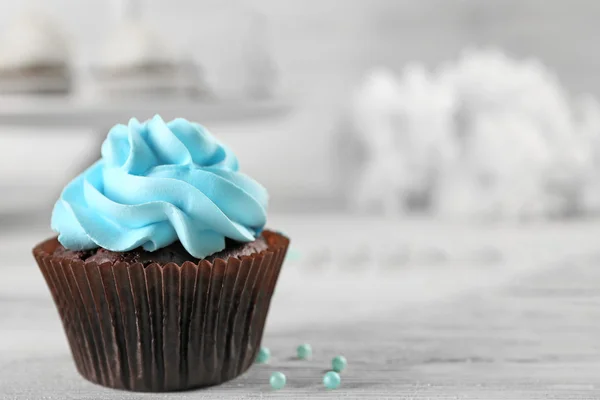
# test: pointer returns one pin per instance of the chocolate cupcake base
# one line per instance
(165, 327)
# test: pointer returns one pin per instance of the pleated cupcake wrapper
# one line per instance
(162, 328)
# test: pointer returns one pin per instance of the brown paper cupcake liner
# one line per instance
(163, 328)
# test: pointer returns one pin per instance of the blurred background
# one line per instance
(395, 137)
(435, 162)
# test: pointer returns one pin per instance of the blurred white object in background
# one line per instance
(134, 44)
(235, 39)
(127, 9)
(500, 171)
(426, 133)
(136, 59)
(484, 137)
(33, 39)
(261, 71)
(588, 112)
(375, 114)
(526, 156)
(405, 127)
(34, 56)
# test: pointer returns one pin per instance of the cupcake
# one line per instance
(162, 272)
(34, 57)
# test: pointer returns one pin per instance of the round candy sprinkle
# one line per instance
(304, 351)
(263, 355)
(277, 380)
(331, 380)
(293, 255)
(339, 363)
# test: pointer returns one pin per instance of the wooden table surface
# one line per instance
(534, 335)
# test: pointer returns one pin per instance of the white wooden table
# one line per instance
(511, 327)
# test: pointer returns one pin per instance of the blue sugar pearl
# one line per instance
(293, 255)
(304, 351)
(263, 355)
(277, 380)
(339, 363)
(331, 380)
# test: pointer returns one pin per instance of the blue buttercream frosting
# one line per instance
(157, 183)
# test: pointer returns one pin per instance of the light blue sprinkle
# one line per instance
(339, 363)
(304, 351)
(331, 380)
(277, 380)
(263, 355)
(292, 255)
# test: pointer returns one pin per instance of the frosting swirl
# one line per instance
(158, 183)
